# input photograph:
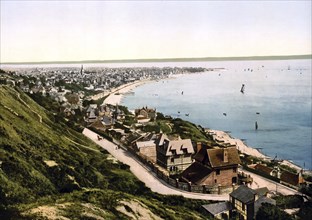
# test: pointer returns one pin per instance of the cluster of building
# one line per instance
(71, 85)
(244, 203)
(285, 177)
(192, 164)
(93, 78)
(103, 117)
(196, 163)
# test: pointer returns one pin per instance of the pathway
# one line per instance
(19, 97)
(145, 174)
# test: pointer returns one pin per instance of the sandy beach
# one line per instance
(116, 94)
(221, 136)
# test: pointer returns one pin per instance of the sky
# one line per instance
(35, 31)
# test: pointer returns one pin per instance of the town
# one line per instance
(183, 155)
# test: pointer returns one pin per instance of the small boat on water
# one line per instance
(242, 88)
(256, 125)
(224, 113)
(187, 114)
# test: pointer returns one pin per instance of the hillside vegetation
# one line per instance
(49, 171)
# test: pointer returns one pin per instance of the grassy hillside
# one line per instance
(49, 171)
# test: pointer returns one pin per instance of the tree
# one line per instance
(271, 212)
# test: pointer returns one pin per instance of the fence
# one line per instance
(180, 184)
(174, 182)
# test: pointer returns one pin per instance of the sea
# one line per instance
(277, 97)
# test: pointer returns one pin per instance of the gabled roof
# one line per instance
(97, 124)
(160, 140)
(244, 194)
(215, 157)
(179, 147)
(218, 208)
(202, 156)
(263, 168)
(196, 172)
(290, 178)
(141, 144)
(262, 191)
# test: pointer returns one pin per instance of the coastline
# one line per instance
(116, 95)
(222, 136)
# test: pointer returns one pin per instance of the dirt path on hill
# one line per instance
(19, 97)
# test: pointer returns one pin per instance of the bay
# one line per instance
(277, 96)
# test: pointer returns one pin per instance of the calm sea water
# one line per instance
(277, 95)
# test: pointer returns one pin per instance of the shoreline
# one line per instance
(222, 136)
(219, 136)
(116, 95)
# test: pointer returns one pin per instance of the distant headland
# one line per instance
(198, 59)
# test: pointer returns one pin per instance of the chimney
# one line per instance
(225, 155)
(300, 177)
(199, 146)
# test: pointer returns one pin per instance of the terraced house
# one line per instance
(174, 155)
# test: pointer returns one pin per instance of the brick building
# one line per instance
(213, 167)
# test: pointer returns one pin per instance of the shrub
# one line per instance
(289, 202)
(271, 212)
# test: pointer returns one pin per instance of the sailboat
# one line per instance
(243, 88)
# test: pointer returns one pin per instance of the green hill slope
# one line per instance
(49, 171)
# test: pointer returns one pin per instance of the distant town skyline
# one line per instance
(39, 31)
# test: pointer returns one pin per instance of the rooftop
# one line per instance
(244, 194)
(218, 208)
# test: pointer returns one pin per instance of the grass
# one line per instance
(80, 176)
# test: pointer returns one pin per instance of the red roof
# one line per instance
(216, 157)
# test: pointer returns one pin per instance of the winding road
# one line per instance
(145, 174)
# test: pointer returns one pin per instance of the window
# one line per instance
(172, 160)
(215, 180)
(234, 170)
(218, 172)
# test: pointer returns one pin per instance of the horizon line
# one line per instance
(195, 59)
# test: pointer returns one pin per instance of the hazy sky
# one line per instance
(101, 30)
